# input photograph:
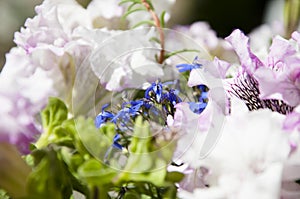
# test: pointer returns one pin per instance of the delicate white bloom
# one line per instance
(105, 9)
(248, 159)
(291, 171)
(121, 62)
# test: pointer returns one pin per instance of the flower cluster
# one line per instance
(104, 102)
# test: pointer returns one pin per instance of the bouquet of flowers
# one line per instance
(104, 101)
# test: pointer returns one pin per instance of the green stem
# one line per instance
(44, 139)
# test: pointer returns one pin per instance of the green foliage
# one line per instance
(3, 194)
(52, 117)
(134, 6)
(69, 158)
(49, 178)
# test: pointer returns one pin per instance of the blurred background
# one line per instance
(222, 15)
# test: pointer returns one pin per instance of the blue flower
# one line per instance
(115, 144)
(135, 106)
(122, 115)
(155, 90)
(197, 107)
(103, 117)
(203, 92)
(172, 97)
(188, 67)
(129, 109)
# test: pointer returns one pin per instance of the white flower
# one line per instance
(123, 62)
(248, 160)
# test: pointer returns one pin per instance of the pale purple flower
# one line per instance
(260, 38)
(240, 44)
(278, 74)
(24, 91)
(203, 35)
(50, 48)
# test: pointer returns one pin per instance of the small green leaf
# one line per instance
(50, 176)
(151, 23)
(132, 6)
(52, 116)
(162, 19)
(155, 39)
(133, 11)
(168, 55)
(127, 1)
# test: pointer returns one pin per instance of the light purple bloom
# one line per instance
(278, 74)
(49, 50)
(23, 93)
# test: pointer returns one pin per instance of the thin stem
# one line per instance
(161, 32)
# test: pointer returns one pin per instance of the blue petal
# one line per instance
(157, 89)
(187, 67)
(172, 97)
(197, 107)
(115, 144)
(102, 118)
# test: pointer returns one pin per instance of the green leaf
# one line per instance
(144, 163)
(50, 178)
(89, 138)
(155, 39)
(127, 1)
(151, 23)
(162, 19)
(52, 116)
(133, 11)
(3, 194)
(132, 5)
(168, 55)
